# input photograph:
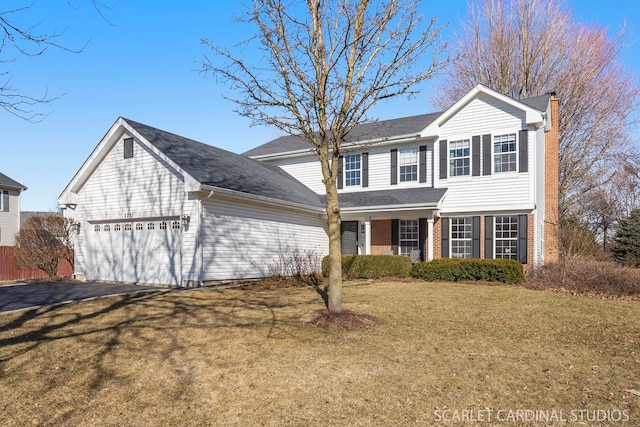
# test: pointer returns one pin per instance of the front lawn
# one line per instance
(247, 357)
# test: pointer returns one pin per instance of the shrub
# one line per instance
(371, 266)
(588, 277)
(456, 270)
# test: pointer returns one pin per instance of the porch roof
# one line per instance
(418, 197)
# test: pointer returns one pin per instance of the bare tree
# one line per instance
(324, 64)
(43, 241)
(18, 40)
(526, 48)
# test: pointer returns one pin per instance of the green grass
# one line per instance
(246, 357)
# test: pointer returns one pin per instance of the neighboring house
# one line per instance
(25, 215)
(477, 180)
(9, 209)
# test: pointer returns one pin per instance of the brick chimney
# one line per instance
(551, 185)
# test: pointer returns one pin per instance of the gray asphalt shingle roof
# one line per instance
(375, 130)
(7, 182)
(538, 102)
(220, 168)
(426, 196)
(364, 132)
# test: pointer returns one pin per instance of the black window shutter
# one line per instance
(486, 154)
(128, 148)
(395, 235)
(340, 172)
(5, 201)
(443, 159)
(488, 237)
(475, 155)
(523, 149)
(523, 231)
(422, 232)
(445, 237)
(394, 166)
(475, 235)
(423, 163)
(365, 169)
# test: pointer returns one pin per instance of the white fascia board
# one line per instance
(388, 208)
(212, 190)
(91, 163)
(513, 210)
(532, 116)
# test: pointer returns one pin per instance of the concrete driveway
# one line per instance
(33, 295)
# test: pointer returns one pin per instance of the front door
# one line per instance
(349, 235)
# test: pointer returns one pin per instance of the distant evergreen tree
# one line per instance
(626, 247)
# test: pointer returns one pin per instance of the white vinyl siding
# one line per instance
(246, 240)
(141, 186)
(483, 116)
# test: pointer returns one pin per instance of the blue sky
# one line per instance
(145, 67)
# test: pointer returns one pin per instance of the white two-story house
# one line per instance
(479, 180)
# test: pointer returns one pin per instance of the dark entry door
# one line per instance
(349, 234)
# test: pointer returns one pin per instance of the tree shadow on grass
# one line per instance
(143, 325)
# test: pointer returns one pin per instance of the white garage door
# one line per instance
(139, 251)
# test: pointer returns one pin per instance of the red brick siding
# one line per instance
(380, 236)
(551, 184)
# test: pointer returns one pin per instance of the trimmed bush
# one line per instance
(371, 266)
(457, 270)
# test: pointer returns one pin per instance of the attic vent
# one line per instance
(128, 148)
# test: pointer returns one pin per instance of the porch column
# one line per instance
(367, 235)
(430, 238)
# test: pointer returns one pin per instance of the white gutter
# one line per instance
(262, 199)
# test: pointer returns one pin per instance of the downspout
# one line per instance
(199, 238)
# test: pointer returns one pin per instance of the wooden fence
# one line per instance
(10, 271)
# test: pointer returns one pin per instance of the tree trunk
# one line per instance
(334, 292)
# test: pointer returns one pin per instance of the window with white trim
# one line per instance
(139, 226)
(175, 225)
(408, 164)
(505, 150)
(506, 237)
(352, 170)
(460, 158)
(461, 237)
(127, 226)
(409, 236)
(107, 228)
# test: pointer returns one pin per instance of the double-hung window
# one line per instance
(409, 236)
(459, 158)
(352, 170)
(506, 237)
(461, 237)
(408, 162)
(505, 153)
